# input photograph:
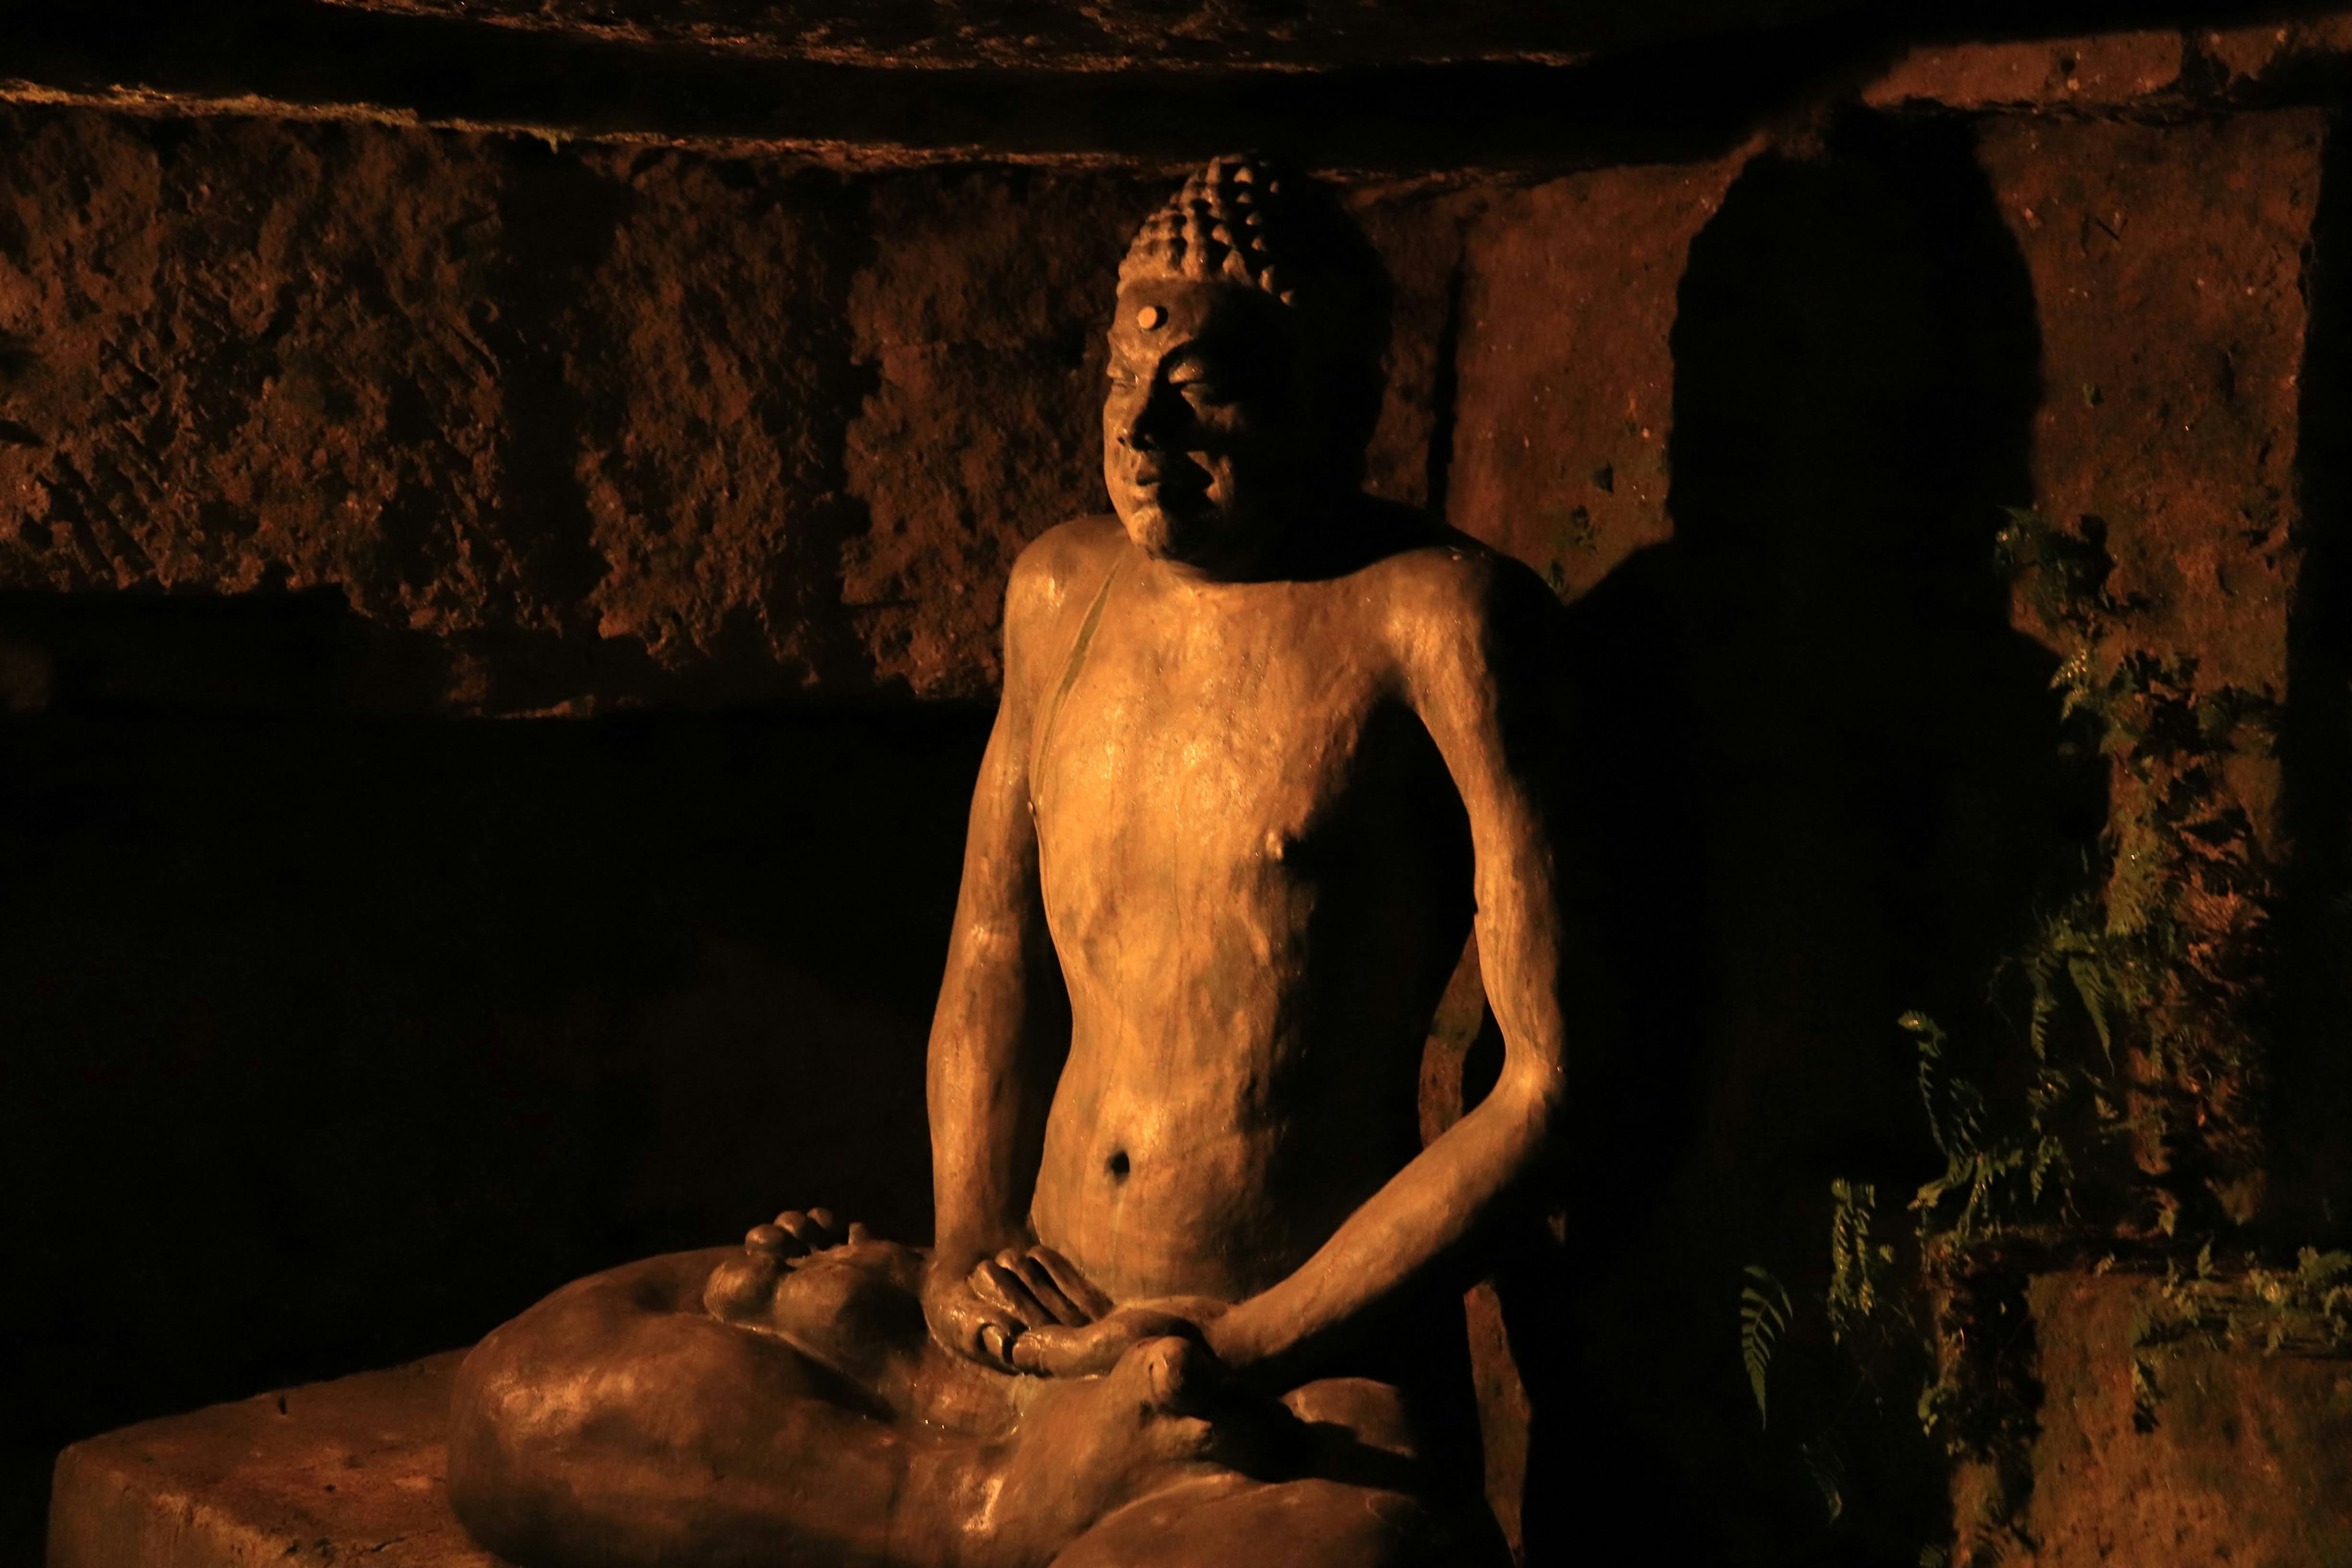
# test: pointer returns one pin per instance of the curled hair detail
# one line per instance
(1253, 221)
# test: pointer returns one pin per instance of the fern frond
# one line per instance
(1965, 1112)
(1764, 1313)
(2321, 1269)
(1828, 1472)
(2042, 976)
(1855, 1264)
(2095, 983)
(2049, 1156)
(1933, 1094)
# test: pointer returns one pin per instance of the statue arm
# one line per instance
(1001, 1027)
(1481, 666)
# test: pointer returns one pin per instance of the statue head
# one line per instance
(1245, 370)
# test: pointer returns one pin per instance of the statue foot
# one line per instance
(835, 1293)
(740, 1289)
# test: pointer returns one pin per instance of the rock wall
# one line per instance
(2172, 1447)
(579, 428)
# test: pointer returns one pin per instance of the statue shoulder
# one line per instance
(1068, 559)
(1454, 596)
(1055, 575)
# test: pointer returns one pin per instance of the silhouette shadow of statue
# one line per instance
(1830, 785)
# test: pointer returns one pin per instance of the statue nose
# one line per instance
(1154, 417)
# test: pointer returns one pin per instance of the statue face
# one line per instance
(1204, 438)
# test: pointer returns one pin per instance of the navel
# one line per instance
(1117, 1164)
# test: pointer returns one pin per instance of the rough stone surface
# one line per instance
(2255, 56)
(980, 322)
(214, 383)
(582, 427)
(2167, 269)
(355, 1470)
(2169, 275)
(609, 426)
(2238, 1456)
(1565, 380)
(2108, 68)
(707, 350)
(1222, 34)
(1419, 230)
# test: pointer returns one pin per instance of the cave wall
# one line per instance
(497, 628)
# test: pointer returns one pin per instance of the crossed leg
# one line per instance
(622, 1423)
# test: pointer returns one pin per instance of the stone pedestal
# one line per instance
(349, 1471)
(2154, 1450)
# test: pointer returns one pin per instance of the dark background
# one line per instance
(333, 1041)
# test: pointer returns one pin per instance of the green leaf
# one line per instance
(1764, 1313)
(2095, 986)
(2318, 1267)
(1854, 1263)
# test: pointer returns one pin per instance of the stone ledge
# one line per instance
(2184, 1452)
(329, 1472)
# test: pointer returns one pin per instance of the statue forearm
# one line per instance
(1002, 1024)
(994, 1056)
(1426, 1221)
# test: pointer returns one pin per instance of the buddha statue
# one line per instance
(1268, 752)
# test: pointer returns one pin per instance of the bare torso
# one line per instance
(1187, 1240)
(1256, 871)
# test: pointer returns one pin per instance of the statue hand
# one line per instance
(1093, 1349)
(1040, 1286)
(980, 1314)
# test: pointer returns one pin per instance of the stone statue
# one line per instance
(1265, 747)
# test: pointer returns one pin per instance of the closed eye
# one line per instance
(1200, 388)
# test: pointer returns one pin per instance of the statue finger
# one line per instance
(1002, 1289)
(964, 1325)
(1049, 1295)
(983, 1282)
(1064, 1352)
(1000, 1345)
(1023, 1299)
(823, 1219)
(1036, 1355)
(859, 1233)
(1075, 1287)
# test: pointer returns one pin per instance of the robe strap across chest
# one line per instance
(1070, 670)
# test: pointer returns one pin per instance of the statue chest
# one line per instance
(1200, 766)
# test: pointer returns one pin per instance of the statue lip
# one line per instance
(1166, 476)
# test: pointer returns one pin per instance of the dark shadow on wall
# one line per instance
(1830, 788)
(2310, 1093)
(331, 1040)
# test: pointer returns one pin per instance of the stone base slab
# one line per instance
(349, 1471)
